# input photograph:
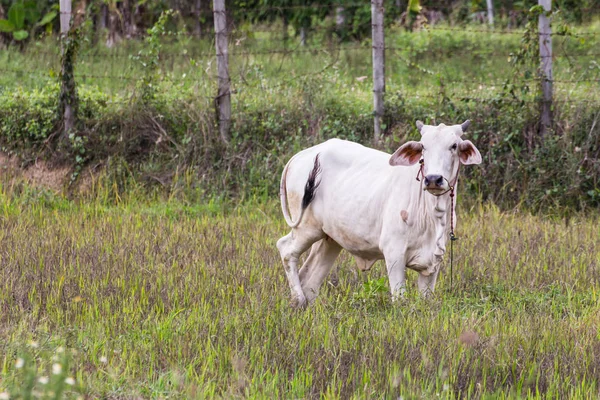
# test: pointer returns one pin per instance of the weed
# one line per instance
(166, 299)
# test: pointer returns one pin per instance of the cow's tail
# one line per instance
(309, 192)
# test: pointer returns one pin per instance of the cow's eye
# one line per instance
(454, 146)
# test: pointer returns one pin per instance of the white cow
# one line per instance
(340, 194)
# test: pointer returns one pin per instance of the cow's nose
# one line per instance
(436, 180)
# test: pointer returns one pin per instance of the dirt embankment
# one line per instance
(38, 174)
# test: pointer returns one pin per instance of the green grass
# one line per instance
(157, 299)
(134, 296)
(466, 61)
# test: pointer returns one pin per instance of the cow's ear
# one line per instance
(407, 154)
(468, 153)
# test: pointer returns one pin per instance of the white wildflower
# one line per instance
(34, 344)
(19, 363)
(4, 396)
(56, 368)
(103, 360)
(70, 381)
(43, 380)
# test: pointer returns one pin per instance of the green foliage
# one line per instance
(69, 99)
(27, 117)
(149, 57)
(373, 291)
(173, 135)
(39, 371)
(23, 16)
(168, 138)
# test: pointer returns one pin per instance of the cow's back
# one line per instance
(338, 159)
(351, 199)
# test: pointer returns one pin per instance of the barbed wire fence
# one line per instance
(545, 79)
(198, 64)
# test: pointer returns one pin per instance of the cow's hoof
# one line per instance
(299, 303)
(334, 281)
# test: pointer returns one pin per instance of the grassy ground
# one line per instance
(159, 299)
(466, 61)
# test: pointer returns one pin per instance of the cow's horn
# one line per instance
(419, 125)
(465, 125)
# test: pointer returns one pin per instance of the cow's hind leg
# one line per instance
(291, 246)
(308, 265)
(312, 261)
(317, 266)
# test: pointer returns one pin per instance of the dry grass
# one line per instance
(163, 300)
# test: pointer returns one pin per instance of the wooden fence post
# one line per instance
(545, 33)
(67, 79)
(223, 99)
(340, 17)
(490, 12)
(378, 64)
(65, 16)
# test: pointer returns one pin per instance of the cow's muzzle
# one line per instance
(434, 182)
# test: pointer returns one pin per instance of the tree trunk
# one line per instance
(68, 94)
(198, 16)
(223, 99)
(102, 17)
(126, 15)
(2, 16)
(302, 36)
(135, 18)
(113, 29)
(286, 25)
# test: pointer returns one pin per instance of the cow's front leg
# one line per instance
(396, 269)
(426, 283)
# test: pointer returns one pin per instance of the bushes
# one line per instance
(157, 142)
(27, 118)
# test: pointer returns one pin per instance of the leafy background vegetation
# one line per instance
(148, 103)
(153, 272)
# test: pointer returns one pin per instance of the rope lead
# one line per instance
(452, 236)
(451, 190)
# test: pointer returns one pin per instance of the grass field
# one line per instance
(161, 293)
(166, 300)
(462, 61)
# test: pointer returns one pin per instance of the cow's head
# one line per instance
(441, 149)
